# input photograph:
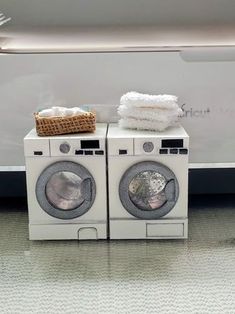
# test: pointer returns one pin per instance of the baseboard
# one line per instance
(201, 181)
(12, 184)
(212, 181)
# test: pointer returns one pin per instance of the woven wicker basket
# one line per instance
(46, 126)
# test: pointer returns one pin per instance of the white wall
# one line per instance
(118, 12)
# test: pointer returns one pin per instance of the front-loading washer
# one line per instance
(148, 183)
(66, 185)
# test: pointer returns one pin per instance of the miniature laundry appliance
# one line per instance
(66, 185)
(148, 183)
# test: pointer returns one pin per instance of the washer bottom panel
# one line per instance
(149, 229)
(68, 231)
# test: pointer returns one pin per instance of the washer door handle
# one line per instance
(86, 189)
(170, 191)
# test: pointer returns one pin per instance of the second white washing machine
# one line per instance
(148, 183)
(66, 185)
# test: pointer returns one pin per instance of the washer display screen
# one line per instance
(63, 190)
(90, 144)
(146, 190)
(173, 143)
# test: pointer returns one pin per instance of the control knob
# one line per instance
(148, 147)
(65, 148)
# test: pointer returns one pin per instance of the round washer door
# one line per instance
(148, 190)
(65, 190)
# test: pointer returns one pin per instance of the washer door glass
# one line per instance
(148, 190)
(65, 190)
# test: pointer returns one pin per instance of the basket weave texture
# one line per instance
(47, 126)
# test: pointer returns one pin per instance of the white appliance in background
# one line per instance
(148, 183)
(66, 185)
(195, 63)
(104, 113)
(205, 89)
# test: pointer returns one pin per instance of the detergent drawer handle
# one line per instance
(170, 190)
(86, 189)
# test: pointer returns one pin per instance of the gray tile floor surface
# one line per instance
(172, 276)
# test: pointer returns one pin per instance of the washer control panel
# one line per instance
(160, 146)
(77, 147)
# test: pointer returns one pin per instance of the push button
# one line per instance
(163, 151)
(174, 151)
(38, 153)
(99, 152)
(122, 151)
(88, 152)
(183, 151)
(79, 152)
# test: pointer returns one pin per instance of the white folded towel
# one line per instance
(134, 99)
(152, 114)
(130, 123)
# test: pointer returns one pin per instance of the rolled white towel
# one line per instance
(130, 123)
(134, 99)
(60, 112)
(69, 112)
(57, 111)
(77, 110)
(46, 113)
(152, 114)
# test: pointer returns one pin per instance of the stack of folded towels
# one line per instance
(148, 112)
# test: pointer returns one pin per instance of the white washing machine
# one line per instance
(148, 183)
(66, 185)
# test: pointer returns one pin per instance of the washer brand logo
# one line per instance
(192, 113)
